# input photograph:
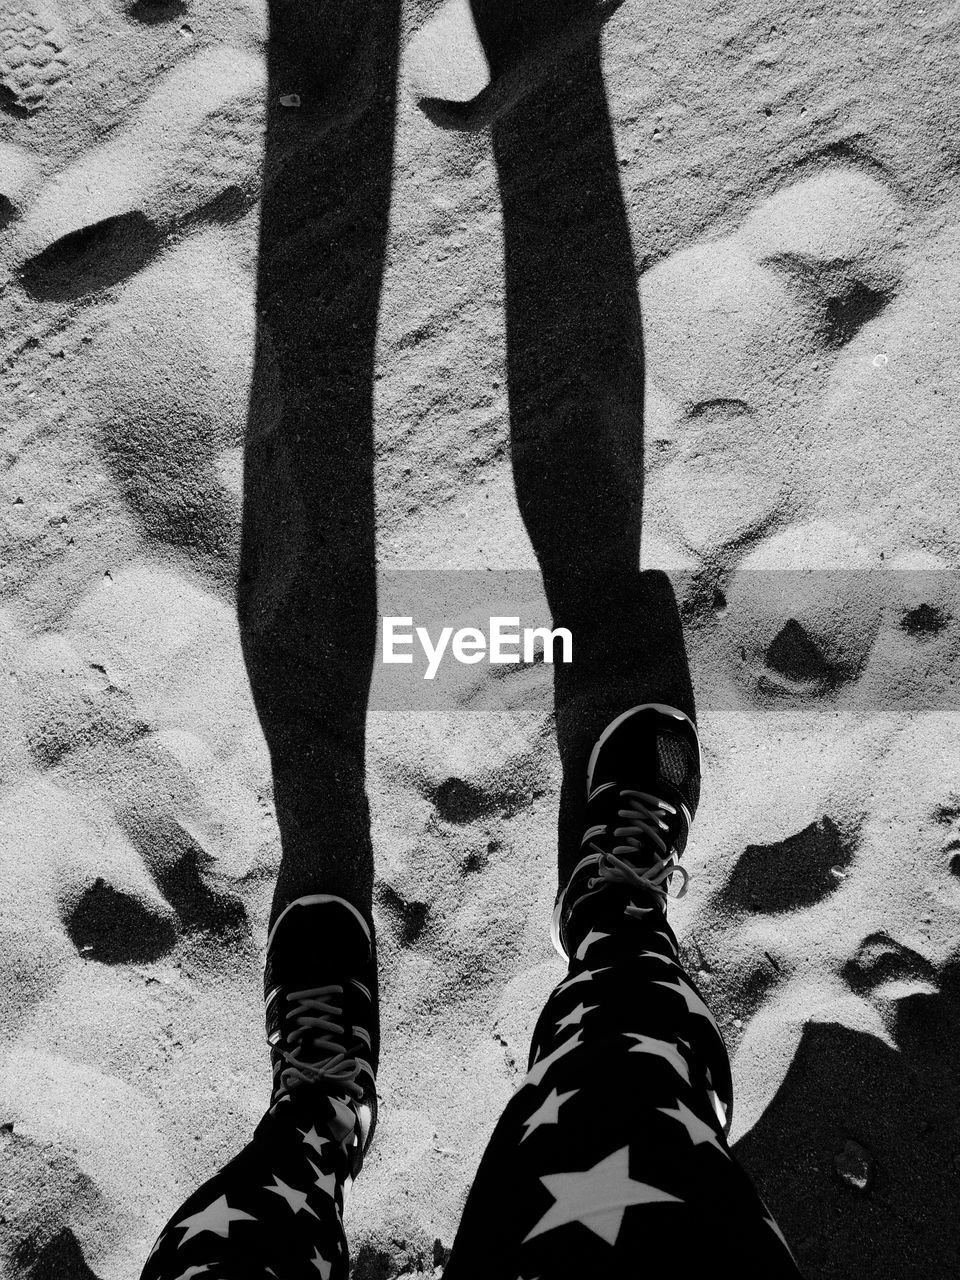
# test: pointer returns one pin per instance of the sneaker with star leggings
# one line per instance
(611, 1159)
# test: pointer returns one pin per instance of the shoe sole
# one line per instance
(591, 765)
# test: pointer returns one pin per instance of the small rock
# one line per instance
(854, 1165)
(289, 99)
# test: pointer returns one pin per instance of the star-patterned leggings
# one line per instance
(611, 1160)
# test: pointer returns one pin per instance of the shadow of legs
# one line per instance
(307, 592)
(575, 384)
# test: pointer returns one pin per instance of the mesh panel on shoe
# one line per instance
(678, 765)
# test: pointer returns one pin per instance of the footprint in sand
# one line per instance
(868, 943)
(803, 611)
(451, 881)
(41, 1234)
(35, 55)
(18, 178)
(745, 338)
(169, 399)
(191, 156)
(66, 1120)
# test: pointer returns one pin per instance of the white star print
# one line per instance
(573, 1019)
(592, 937)
(719, 1107)
(344, 1122)
(661, 1049)
(584, 976)
(655, 955)
(327, 1182)
(693, 1001)
(322, 1265)
(547, 1112)
(312, 1139)
(597, 1197)
(698, 1129)
(217, 1218)
(193, 1271)
(780, 1236)
(667, 939)
(297, 1200)
(539, 1069)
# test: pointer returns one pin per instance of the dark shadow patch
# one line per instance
(153, 12)
(476, 859)
(896, 1103)
(880, 958)
(410, 918)
(92, 258)
(178, 862)
(839, 304)
(795, 658)
(114, 928)
(227, 205)
(791, 873)
(849, 309)
(7, 211)
(11, 105)
(59, 1259)
(384, 1256)
(924, 620)
(200, 908)
(459, 801)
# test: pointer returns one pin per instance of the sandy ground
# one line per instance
(791, 175)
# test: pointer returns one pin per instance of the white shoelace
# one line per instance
(315, 1013)
(645, 814)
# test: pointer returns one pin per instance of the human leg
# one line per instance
(307, 612)
(611, 1159)
(276, 1208)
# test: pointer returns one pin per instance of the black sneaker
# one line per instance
(643, 787)
(320, 984)
(276, 1208)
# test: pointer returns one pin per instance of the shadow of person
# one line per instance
(307, 583)
(575, 381)
(856, 1153)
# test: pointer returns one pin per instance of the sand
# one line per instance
(791, 175)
